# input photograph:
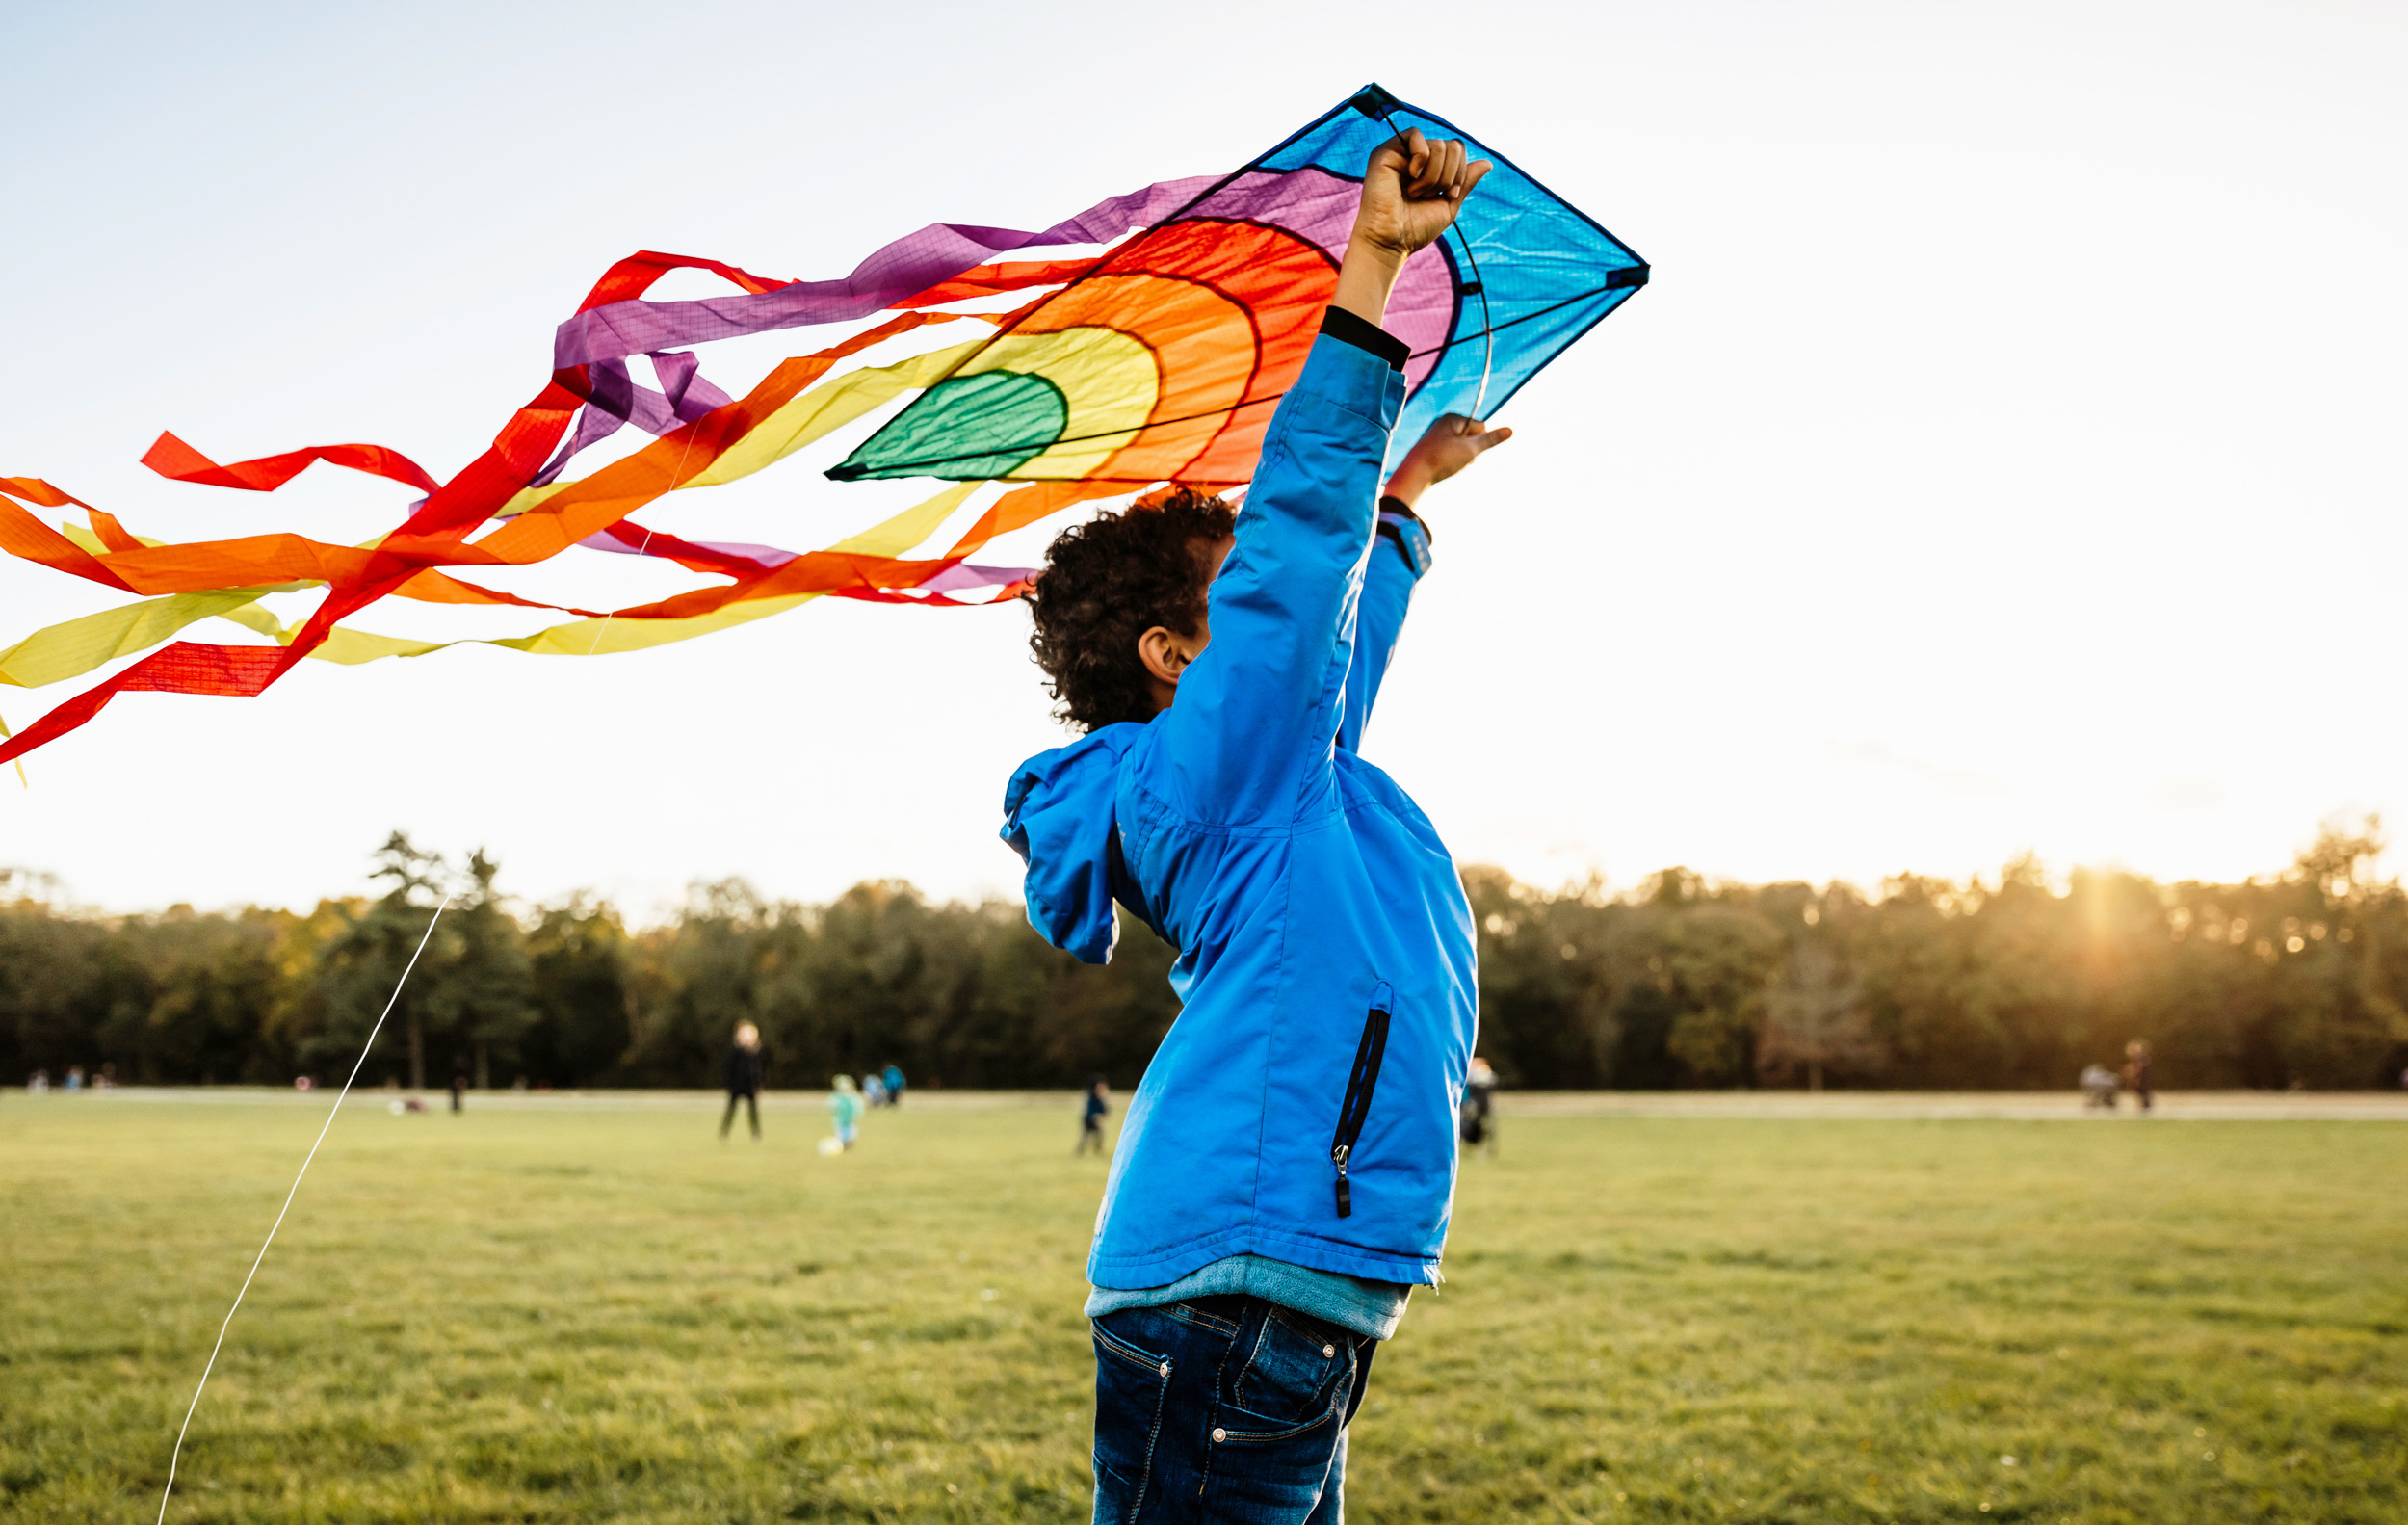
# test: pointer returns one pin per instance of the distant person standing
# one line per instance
(742, 1075)
(2136, 1078)
(1480, 1106)
(894, 1078)
(460, 1078)
(1096, 1108)
(844, 1108)
(74, 1077)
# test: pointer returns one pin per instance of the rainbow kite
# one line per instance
(1158, 360)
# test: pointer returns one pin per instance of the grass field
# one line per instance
(555, 1315)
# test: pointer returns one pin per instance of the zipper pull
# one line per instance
(1346, 1195)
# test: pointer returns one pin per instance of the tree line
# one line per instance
(2295, 979)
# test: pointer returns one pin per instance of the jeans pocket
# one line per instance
(1295, 1375)
(1203, 1318)
(1130, 1384)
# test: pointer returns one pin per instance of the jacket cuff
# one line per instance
(1339, 323)
(1341, 375)
(1409, 535)
(1390, 503)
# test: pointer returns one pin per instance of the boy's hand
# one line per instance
(1412, 189)
(1449, 445)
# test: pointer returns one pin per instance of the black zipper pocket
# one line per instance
(1357, 1104)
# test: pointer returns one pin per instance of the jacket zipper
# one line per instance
(1357, 1104)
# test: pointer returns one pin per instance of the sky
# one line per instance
(2004, 458)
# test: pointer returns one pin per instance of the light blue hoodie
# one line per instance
(1303, 1106)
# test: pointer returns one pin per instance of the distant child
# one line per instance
(872, 1089)
(742, 1072)
(1091, 1117)
(844, 1105)
(1283, 1177)
(894, 1078)
(2137, 1077)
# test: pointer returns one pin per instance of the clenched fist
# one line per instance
(1412, 189)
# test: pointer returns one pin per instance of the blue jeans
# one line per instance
(1223, 1408)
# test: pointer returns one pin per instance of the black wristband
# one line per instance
(1404, 510)
(1403, 529)
(1363, 334)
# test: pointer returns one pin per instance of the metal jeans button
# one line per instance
(1220, 1434)
(1329, 1350)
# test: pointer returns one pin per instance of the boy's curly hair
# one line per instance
(1108, 581)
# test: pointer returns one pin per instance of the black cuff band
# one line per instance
(1339, 324)
(1404, 511)
(1412, 543)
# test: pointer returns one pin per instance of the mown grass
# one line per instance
(599, 1316)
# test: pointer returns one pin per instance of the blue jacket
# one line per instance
(1303, 1105)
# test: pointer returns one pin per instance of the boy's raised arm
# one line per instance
(1260, 706)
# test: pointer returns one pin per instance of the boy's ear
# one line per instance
(1163, 653)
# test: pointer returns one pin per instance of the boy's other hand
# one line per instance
(1412, 189)
(1446, 447)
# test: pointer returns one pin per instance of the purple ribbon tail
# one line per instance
(904, 268)
(684, 396)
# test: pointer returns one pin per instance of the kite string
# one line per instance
(175, 1455)
(646, 547)
(356, 1064)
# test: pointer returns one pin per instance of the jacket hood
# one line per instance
(1057, 816)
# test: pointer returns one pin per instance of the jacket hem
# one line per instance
(1134, 1273)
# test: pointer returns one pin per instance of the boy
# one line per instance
(1286, 1166)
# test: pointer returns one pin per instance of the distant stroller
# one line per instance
(2099, 1085)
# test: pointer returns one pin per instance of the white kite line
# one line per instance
(645, 549)
(173, 1456)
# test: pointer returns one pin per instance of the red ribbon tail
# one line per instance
(185, 667)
